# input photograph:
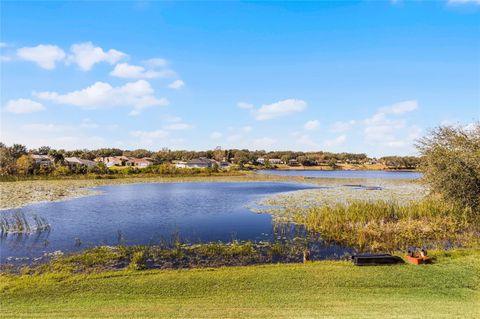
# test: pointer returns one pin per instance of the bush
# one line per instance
(138, 261)
(451, 164)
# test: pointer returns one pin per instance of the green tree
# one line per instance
(25, 165)
(451, 164)
(17, 150)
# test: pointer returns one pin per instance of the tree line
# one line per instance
(15, 159)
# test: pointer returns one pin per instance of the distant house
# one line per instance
(293, 162)
(75, 161)
(180, 164)
(139, 162)
(113, 160)
(224, 164)
(201, 162)
(272, 161)
(42, 160)
(275, 161)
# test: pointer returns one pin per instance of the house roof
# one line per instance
(200, 161)
(140, 160)
(41, 157)
(76, 160)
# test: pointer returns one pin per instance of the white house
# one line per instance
(76, 161)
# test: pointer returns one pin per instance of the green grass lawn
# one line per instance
(447, 289)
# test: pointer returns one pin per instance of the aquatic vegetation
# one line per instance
(17, 223)
(173, 255)
(387, 225)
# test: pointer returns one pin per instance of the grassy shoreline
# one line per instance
(450, 288)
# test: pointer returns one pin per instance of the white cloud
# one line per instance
(280, 108)
(400, 108)
(156, 62)
(340, 126)
(388, 128)
(23, 106)
(177, 84)
(128, 71)
(137, 95)
(264, 143)
(336, 141)
(44, 55)
(86, 55)
(216, 135)
(459, 2)
(3, 45)
(312, 125)
(55, 135)
(245, 105)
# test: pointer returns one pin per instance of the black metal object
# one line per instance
(376, 259)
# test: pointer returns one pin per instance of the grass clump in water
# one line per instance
(18, 223)
(389, 226)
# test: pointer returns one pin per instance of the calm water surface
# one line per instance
(344, 174)
(148, 214)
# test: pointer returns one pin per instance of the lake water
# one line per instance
(148, 214)
(344, 174)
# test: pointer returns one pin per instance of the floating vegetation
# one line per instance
(17, 223)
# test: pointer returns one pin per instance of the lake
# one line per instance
(144, 214)
(344, 174)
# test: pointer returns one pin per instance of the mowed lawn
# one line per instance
(447, 289)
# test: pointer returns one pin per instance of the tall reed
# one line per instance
(386, 225)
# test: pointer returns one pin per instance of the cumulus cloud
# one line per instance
(86, 55)
(245, 105)
(56, 135)
(128, 71)
(400, 108)
(44, 55)
(279, 109)
(177, 84)
(312, 125)
(387, 127)
(341, 126)
(138, 95)
(23, 106)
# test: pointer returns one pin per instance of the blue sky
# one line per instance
(360, 76)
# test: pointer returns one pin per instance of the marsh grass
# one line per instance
(389, 226)
(17, 223)
(175, 255)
